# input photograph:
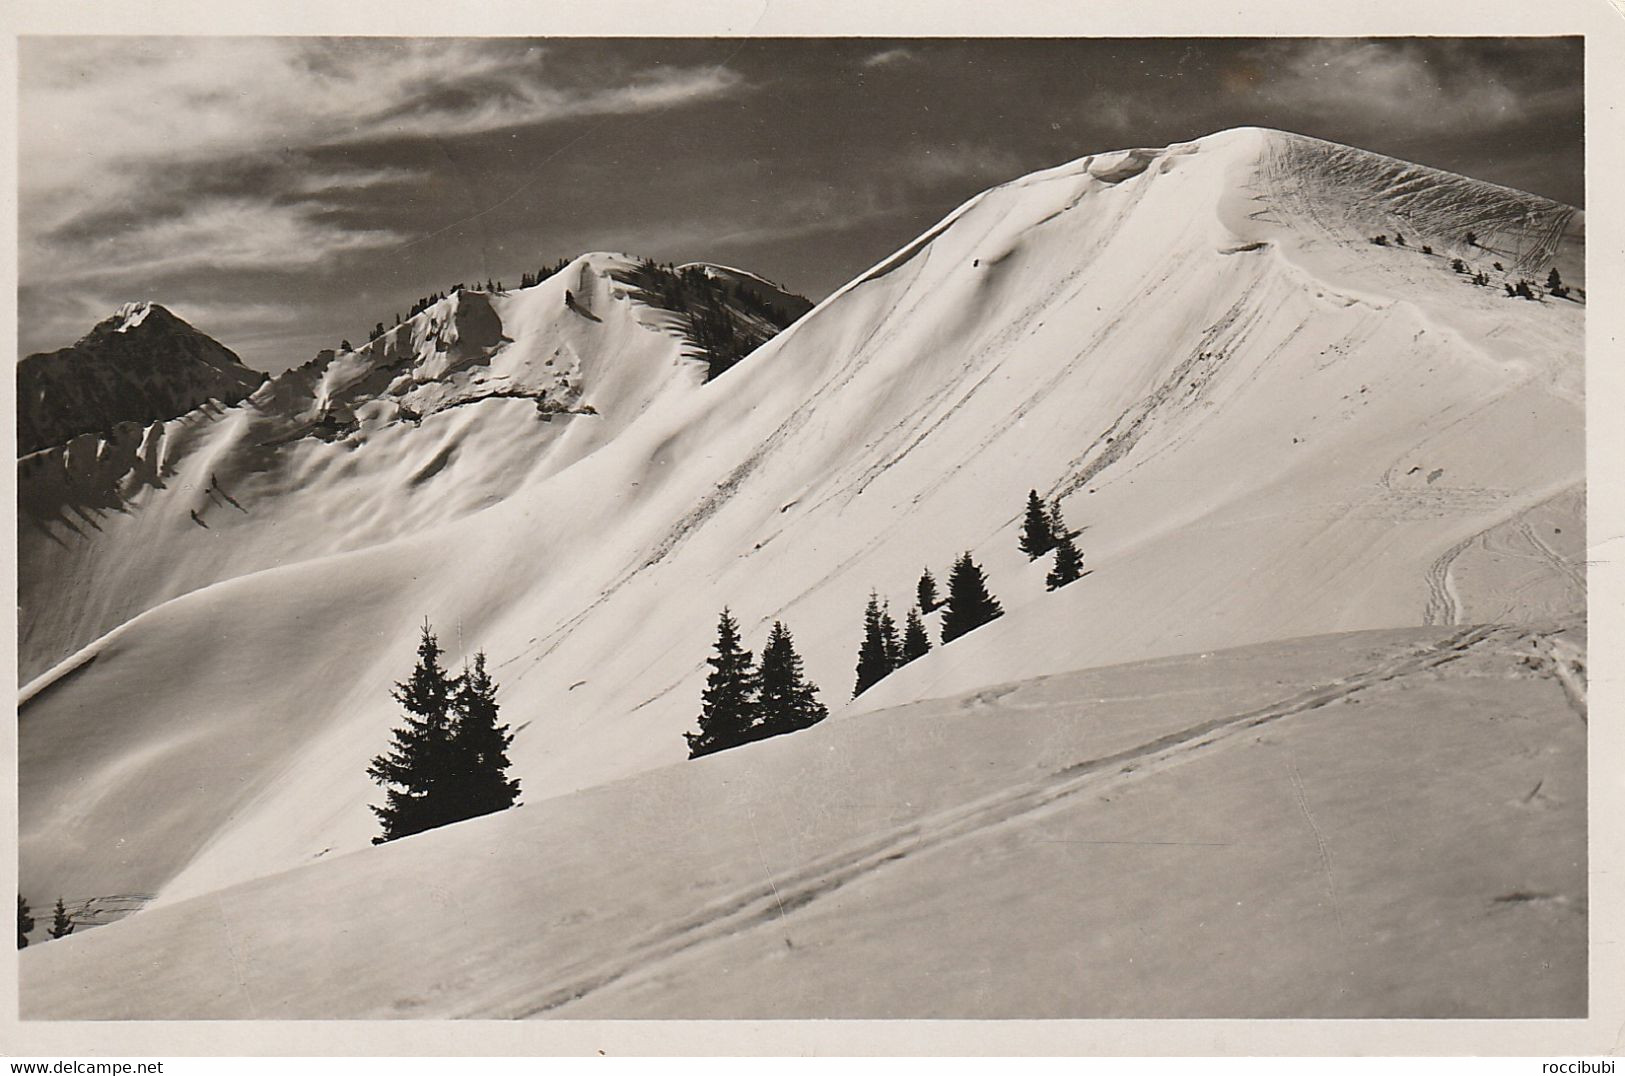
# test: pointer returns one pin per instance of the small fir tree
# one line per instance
(926, 592)
(1068, 564)
(728, 704)
(786, 701)
(479, 748)
(969, 604)
(916, 643)
(61, 925)
(1037, 537)
(873, 660)
(418, 765)
(888, 636)
(25, 921)
(1057, 524)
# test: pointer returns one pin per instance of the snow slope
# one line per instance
(1385, 824)
(1266, 426)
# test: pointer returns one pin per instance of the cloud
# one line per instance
(350, 179)
(886, 57)
(162, 155)
(961, 161)
(215, 234)
(90, 105)
(1425, 85)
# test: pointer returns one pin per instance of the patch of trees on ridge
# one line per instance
(709, 310)
(742, 704)
(1520, 289)
(62, 923)
(494, 287)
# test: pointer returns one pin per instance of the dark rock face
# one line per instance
(141, 365)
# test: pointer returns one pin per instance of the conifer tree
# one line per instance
(418, 764)
(1068, 564)
(479, 747)
(889, 638)
(1057, 524)
(969, 604)
(61, 925)
(1037, 537)
(25, 922)
(1554, 281)
(873, 661)
(916, 643)
(786, 701)
(926, 592)
(728, 703)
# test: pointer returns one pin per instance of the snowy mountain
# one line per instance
(141, 365)
(466, 402)
(1267, 426)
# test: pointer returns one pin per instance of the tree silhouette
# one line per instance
(479, 747)
(926, 592)
(889, 638)
(727, 707)
(25, 922)
(61, 925)
(874, 661)
(1068, 560)
(416, 768)
(786, 701)
(916, 643)
(1037, 538)
(969, 604)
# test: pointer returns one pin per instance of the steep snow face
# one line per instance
(466, 402)
(141, 365)
(1264, 425)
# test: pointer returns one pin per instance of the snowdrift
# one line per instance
(1265, 425)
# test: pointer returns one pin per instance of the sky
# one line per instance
(283, 193)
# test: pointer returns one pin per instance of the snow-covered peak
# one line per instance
(130, 315)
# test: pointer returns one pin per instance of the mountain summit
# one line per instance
(142, 364)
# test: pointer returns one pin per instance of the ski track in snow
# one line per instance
(778, 896)
(1443, 606)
